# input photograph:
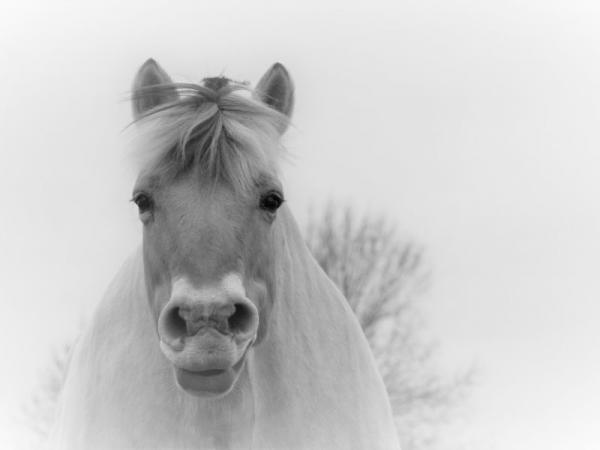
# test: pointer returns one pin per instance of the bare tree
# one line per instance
(382, 278)
(41, 409)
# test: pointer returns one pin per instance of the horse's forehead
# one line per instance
(189, 195)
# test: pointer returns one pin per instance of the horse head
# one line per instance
(208, 198)
(223, 300)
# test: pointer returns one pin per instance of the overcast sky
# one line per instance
(473, 125)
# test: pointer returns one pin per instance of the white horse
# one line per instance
(221, 331)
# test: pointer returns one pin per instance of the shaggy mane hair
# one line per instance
(226, 135)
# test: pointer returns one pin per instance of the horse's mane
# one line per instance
(228, 136)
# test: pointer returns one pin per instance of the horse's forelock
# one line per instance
(228, 136)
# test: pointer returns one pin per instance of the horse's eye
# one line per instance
(143, 201)
(271, 201)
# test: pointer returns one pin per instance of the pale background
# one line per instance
(472, 124)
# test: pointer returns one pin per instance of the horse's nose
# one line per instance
(193, 313)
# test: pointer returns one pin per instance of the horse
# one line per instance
(220, 331)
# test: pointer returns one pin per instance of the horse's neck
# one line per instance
(314, 375)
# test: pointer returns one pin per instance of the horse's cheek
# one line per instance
(157, 284)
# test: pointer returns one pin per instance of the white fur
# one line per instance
(311, 384)
(231, 285)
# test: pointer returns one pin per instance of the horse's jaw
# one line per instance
(207, 372)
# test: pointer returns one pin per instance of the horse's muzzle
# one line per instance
(213, 382)
(206, 334)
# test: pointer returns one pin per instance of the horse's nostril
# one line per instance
(241, 319)
(174, 324)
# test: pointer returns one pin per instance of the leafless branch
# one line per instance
(382, 278)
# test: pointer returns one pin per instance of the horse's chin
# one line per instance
(210, 382)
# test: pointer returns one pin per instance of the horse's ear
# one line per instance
(144, 99)
(276, 89)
